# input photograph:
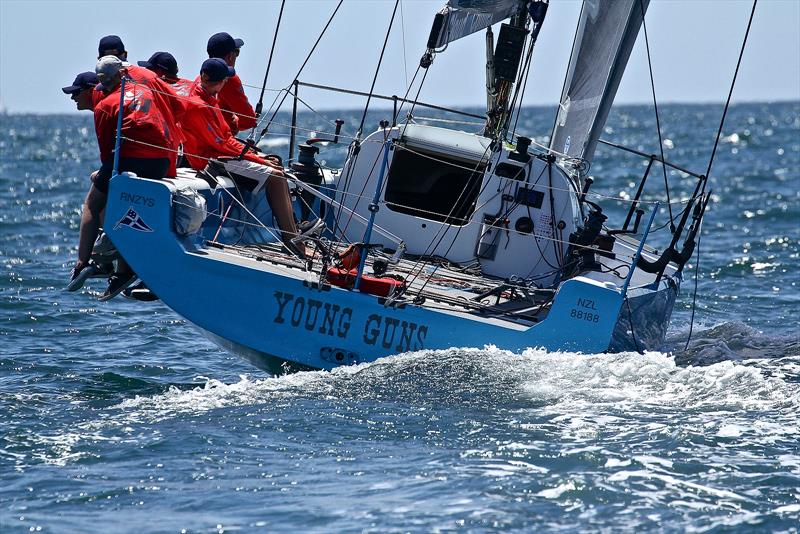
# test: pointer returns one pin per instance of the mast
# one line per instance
(460, 18)
(506, 60)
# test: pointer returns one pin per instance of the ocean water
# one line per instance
(119, 417)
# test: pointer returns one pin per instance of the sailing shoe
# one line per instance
(140, 292)
(117, 283)
(80, 274)
(103, 270)
(309, 229)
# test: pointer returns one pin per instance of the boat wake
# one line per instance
(732, 341)
(728, 374)
(491, 379)
(641, 430)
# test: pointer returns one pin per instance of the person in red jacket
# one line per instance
(81, 92)
(82, 89)
(209, 136)
(236, 109)
(144, 150)
(165, 66)
(171, 104)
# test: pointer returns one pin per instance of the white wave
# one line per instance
(583, 398)
(564, 382)
(272, 142)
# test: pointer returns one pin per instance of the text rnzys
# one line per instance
(336, 321)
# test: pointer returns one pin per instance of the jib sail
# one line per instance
(607, 31)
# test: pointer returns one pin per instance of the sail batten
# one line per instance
(460, 18)
(607, 31)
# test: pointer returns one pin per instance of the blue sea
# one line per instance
(121, 417)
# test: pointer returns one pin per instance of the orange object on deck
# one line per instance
(381, 286)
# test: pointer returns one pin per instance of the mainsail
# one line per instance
(460, 18)
(606, 33)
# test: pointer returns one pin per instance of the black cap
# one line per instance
(216, 69)
(110, 42)
(162, 60)
(222, 44)
(84, 80)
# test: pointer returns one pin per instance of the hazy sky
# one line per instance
(694, 45)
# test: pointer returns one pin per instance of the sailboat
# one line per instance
(427, 237)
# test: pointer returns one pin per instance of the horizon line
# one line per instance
(8, 111)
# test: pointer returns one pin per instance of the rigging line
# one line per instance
(437, 239)
(401, 147)
(303, 66)
(377, 69)
(522, 90)
(403, 33)
(260, 104)
(730, 93)
(584, 6)
(694, 293)
(269, 89)
(590, 193)
(349, 175)
(355, 148)
(405, 96)
(658, 121)
(360, 195)
(711, 162)
(416, 97)
(323, 117)
(448, 121)
(630, 321)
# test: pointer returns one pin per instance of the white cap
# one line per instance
(108, 66)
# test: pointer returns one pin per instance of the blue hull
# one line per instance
(283, 319)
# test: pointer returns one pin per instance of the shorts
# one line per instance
(155, 168)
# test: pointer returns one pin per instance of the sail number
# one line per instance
(586, 311)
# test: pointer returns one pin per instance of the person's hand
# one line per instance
(274, 160)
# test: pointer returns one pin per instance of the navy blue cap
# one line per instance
(162, 60)
(217, 69)
(84, 80)
(110, 42)
(222, 44)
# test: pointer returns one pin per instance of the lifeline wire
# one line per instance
(713, 153)
(658, 121)
(260, 104)
(303, 66)
(377, 69)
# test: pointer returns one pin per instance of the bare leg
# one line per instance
(91, 218)
(94, 204)
(281, 204)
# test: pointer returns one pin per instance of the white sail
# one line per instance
(606, 33)
(460, 18)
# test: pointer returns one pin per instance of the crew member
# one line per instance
(81, 90)
(164, 65)
(209, 136)
(172, 107)
(236, 109)
(145, 132)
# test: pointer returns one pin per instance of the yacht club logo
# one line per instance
(132, 219)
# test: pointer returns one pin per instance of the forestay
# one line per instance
(604, 39)
(460, 18)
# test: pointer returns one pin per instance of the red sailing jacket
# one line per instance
(182, 87)
(206, 132)
(142, 121)
(172, 107)
(232, 98)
